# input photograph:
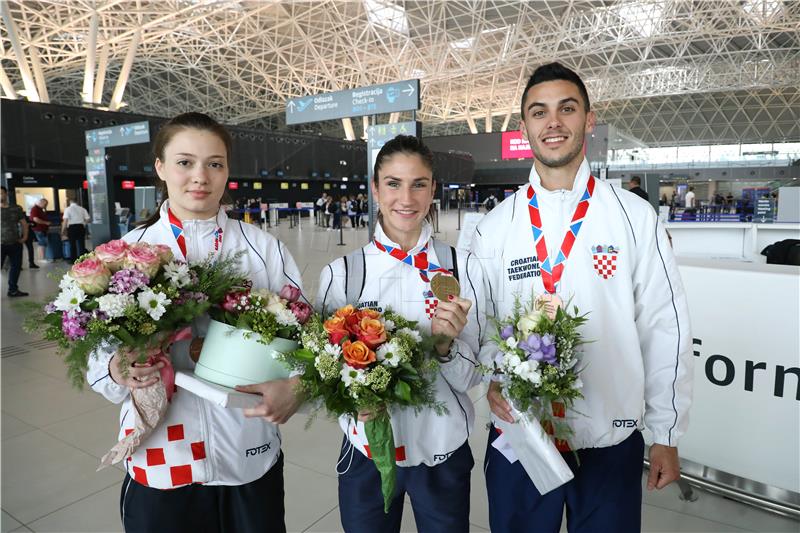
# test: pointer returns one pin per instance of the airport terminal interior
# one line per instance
(697, 105)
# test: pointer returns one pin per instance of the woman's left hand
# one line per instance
(280, 399)
(449, 319)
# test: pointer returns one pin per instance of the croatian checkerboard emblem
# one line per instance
(604, 259)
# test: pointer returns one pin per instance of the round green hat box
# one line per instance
(229, 358)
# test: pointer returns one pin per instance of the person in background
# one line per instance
(352, 211)
(635, 186)
(40, 224)
(336, 210)
(327, 210)
(12, 219)
(29, 246)
(319, 209)
(364, 210)
(689, 200)
(74, 227)
(490, 202)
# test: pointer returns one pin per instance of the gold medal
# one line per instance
(444, 286)
(549, 304)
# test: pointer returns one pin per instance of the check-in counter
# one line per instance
(745, 417)
(731, 240)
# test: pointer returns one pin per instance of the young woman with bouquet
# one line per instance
(395, 271)
(203, 467)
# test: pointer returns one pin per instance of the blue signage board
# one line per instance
(134, 133)
(373, 100)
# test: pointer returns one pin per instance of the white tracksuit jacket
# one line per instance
(200, 442)
(638, 362)
(424, 438)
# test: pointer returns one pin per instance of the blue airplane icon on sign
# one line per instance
(302, 104)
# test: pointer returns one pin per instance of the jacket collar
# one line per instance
(220, 220)
(578, 186)
(424, 237)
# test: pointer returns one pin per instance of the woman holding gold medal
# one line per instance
(404, 269)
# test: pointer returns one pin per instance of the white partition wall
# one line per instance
(745, 418)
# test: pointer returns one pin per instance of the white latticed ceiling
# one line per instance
(666, 72)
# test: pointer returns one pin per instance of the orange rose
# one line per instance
(357, 354)
(344, 312)
(336, 329)
(371, 332)
(369, 313)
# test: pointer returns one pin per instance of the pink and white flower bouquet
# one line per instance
(134, 296)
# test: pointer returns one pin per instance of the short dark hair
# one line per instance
(637, 180)
(553, 72)
(3, 187)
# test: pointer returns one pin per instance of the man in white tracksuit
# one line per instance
(603, 250)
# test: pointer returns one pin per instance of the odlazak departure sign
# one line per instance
(373, 100)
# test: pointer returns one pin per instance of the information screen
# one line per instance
(514, 146)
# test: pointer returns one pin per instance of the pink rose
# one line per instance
(112, 254)
(301, 310)
(91, 275)
(290, 293)
(235, 302)
(164, 253)
(143, 258)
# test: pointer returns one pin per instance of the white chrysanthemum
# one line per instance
(511, 342)
(114, 305)
(178, 274)
(69, 299)
(286, 317)
(351, 375)
(67, 282)
(389, 353)
(334, 350)
(511, 360)
(275, 304)
(529, 371)
(388, 325)
(411, 333)
(154, 303)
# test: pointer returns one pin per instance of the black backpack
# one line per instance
(785, 252)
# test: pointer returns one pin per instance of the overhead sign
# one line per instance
(373, 100)
(378, 135)
(134, 133)
(514, 146)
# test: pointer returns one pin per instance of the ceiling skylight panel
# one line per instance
(387, 15)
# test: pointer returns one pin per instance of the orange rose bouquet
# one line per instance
(363, 360)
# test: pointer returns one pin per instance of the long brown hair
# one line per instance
(185, 121)
(408, 145)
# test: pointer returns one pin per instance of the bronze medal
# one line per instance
(548, 304)
(443, 286)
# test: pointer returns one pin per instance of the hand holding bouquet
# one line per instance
(364, 361)
(538, 368)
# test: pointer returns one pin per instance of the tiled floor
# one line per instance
(53, 437)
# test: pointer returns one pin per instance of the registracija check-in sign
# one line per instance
(373, 100)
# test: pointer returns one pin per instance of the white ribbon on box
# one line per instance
(525, 441)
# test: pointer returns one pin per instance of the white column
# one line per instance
(349, 132)
(8, 88)
(472, 127)
(87, 95)
(122, 81)
(488, 122)
(11, 31)
(38, 75)
(97, 97)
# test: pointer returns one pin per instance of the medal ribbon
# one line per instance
(419, 261)
(177, 231)
(551, 273)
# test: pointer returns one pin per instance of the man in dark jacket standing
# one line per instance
(635, 186)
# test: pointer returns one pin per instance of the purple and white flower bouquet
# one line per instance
(538, 363)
